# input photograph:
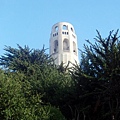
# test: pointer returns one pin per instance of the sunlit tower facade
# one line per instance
(63, 44)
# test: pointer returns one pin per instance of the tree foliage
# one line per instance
(97, 79)
(23, 59)
(34, 73)
(33, 87)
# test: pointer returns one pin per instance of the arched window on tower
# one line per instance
(56, 28)
(65, 27)
(55, 46)
(66, 45)
(74, 48)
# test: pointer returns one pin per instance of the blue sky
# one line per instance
(29, 22)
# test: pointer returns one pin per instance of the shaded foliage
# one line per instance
(97, 79)
(41, 76)
(32, 87)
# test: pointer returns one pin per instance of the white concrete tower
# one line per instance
(63, 44)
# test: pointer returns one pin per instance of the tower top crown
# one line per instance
(63, 26)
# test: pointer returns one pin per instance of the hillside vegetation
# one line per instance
(32, 87)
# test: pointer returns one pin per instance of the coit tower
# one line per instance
(63, 44)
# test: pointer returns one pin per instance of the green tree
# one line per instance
(22, 59)
(97, 79)
(17, 100)
(46, 82)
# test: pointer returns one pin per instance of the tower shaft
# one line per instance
(63, 44)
